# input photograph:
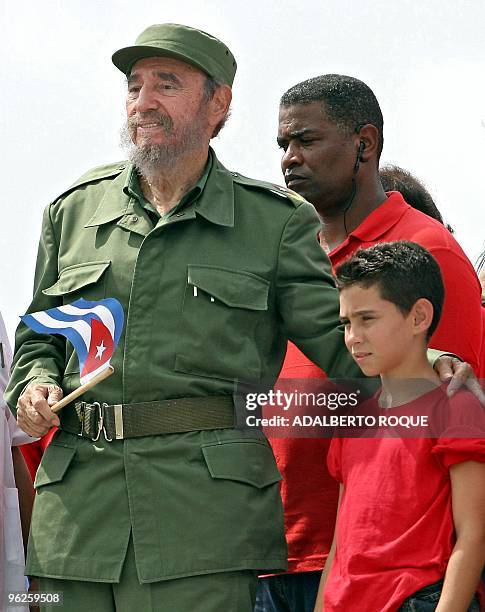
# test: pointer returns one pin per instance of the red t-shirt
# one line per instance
(395, 524)
(482, 355)
(309, 494)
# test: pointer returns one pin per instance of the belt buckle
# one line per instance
(101, 427)
(82, 408)
(118, 414)
(97, 405)
(103, 408)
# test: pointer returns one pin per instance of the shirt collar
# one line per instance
(216, 203)
(213, 195)
(379, 222)
(115, 202)
(133, 188)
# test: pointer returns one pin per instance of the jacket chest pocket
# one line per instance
(84, 280)
(223, 311)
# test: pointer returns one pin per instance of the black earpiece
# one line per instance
(359, 156)
(361, 149)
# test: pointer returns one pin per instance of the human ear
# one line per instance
(369, 136)
(422, 315)
(219, 104)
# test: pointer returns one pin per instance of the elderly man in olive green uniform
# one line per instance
(177, 509)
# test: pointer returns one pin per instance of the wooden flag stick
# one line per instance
(80, 390)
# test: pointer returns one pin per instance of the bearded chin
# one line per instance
(150, 159)
(153, 159)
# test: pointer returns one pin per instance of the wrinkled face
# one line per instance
(165, 104)
(377, 333)
(318, 156)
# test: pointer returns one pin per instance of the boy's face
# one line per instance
(377, 333)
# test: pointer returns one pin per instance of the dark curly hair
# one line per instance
(403, 271)
(348, 102)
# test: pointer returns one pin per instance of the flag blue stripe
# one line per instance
(71, 334)
(112, 304)
(116, 310)
(57, 314)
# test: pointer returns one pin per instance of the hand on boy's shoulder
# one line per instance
(465, 416)
(458, 374)
(466, 400)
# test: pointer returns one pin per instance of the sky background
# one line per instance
(62, 101)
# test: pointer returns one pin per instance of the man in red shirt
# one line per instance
(481, 276)
(331, 134)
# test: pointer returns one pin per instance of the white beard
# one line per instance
(149, 160)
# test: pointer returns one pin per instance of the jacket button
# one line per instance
(181, 214)
(134, 219)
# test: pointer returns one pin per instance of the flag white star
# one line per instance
(100, 350)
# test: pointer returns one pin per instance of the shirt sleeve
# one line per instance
(5, 357)
(308, 299)
(334, 459)
(17, 436)
(460, 329)
(38, 357)
(450, 451)
(463, 437)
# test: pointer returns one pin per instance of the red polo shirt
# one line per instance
(460, 328)
(309, 493)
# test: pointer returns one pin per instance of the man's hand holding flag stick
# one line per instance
(80, 390)
(93, 328)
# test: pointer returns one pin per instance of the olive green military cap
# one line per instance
(183, 43)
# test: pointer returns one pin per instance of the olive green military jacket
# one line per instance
(211, 294)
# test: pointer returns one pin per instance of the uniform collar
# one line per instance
(215, 202)
(133, 187)
(378, 223)
(116, 201)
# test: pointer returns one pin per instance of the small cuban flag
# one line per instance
(93, 328)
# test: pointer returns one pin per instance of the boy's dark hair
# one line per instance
(403, 271)
(347, 102)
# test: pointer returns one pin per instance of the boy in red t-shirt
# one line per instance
(410, 531)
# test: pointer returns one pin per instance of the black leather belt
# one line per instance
(122, 421)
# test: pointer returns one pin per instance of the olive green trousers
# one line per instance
(220, 592)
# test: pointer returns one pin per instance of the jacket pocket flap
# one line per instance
(247, 461)
(54, 464)
(235, 288)
(77, 276)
